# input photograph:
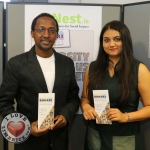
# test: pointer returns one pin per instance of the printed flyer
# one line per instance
(45, 109)
(102, 105)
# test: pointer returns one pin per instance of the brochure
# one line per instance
(45, 109)
(102, 105)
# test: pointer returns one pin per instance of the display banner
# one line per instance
(78, 38)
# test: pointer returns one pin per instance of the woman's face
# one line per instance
(112, 43)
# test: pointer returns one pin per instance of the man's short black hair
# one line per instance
(43, 15)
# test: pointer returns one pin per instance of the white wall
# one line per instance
(65, 1)
(111, 1)
(98, 1)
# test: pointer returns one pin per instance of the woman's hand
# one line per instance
(115, 114)
(89, 113)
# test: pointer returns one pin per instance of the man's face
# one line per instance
(44, 34)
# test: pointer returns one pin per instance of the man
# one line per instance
(41, 70)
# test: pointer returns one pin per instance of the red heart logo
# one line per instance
(15, 128)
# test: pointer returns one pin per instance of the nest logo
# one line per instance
(15, 128)
(76, 19)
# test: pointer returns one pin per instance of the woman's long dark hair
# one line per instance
(125, 67)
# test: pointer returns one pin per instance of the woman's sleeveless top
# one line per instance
(119, 133)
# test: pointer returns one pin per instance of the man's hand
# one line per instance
(60, 121)
(37, 132)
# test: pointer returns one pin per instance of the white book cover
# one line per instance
(46, 103)
(102, 105)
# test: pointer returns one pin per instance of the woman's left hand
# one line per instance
(114, 114)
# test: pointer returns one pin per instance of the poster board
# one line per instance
(109, 12)
(137, 18)
(16, 43)
(89, 41)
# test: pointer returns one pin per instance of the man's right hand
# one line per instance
(37, 132)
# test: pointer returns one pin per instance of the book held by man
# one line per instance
(46, 103)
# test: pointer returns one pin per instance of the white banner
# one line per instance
(83, 24)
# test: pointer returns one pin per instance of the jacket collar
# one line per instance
(37, 73)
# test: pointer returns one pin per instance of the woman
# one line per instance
(126, 80)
